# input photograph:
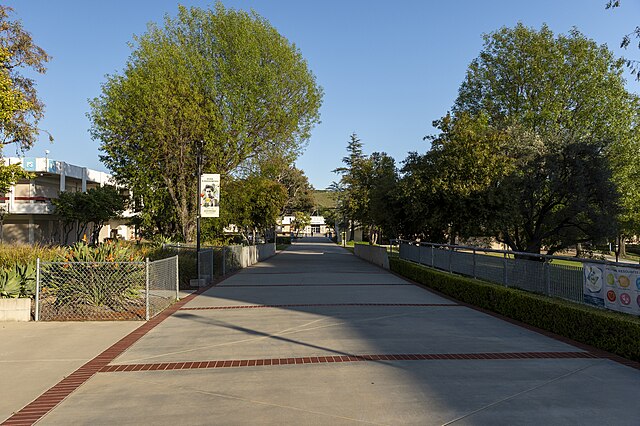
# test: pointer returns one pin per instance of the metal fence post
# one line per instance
(147, 288)
(474, 264)
(177, 278)
(504, 269)
(431, 247)
(547, 275)
(450, 256)
(224, 261)
(37, 315)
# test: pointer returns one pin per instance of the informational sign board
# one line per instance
(210, 195)
(29, 164)
(614, 287)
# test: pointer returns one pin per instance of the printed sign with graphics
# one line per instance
(614, 287)
(593, 288)
(54, 166)
(29, 164)
(210, 195)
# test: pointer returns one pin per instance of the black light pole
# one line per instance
(199, 147)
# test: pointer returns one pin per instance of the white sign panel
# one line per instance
(210, 195)
(614, 287)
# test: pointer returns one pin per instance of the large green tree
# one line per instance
(384, 203)
(77, 210)
(554, 108)
(20, 108)
(367, 192)
(280, 170)
(353, 187)
(220, 76)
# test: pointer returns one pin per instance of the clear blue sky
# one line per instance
(388, 69)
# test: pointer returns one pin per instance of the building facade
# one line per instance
(317, 226)
(27, 212)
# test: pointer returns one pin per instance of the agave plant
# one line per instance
(18, 281)
(108, 252)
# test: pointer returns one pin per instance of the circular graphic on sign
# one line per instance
(611, 295)
(593, 277)
(625, 299)
(611, 279)
(623, 280)
(638, 300)
(638, 283)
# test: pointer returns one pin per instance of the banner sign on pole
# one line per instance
(613, 287)
(210, 195)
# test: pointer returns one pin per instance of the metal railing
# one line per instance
(556, 276)
(104, 291)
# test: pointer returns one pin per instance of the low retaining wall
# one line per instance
(15, 309)
(374, 254)
(265, 251)
(239, 257)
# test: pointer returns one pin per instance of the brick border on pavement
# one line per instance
(599, 353)
(196, 365)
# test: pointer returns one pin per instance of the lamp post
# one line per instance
(199, 149)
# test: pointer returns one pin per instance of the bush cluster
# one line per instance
(610, 331)
(283, 240)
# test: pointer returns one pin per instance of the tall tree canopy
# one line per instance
(220, 76)
(366, 192)
(542, 139)
(20, 108)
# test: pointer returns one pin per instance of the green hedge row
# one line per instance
(283, 240)
(609, 331)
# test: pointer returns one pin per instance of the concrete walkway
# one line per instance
(315, 335)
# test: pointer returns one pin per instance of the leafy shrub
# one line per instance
(111, 251)
(610, 331)
(283, 240)
(10, 255)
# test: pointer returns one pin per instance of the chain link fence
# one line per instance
(162, 285)
(104, 291)
(206, 265)
(556, 276)
(217, 261)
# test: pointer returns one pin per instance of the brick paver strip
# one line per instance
(313, 305)
(52, 397)
(599, 353)
(342, 358)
